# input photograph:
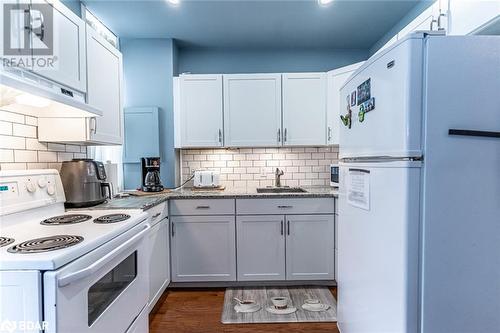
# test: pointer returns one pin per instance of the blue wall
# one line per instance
(209, 61)
(148, 67)
(417, 10)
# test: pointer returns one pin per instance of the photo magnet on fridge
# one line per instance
(364, 91)
(353, 98)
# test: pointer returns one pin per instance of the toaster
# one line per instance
(206, 178)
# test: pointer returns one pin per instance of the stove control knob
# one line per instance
(30, 186)
(42, 182)
(51, 189)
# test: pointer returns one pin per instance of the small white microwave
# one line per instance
(334, 175)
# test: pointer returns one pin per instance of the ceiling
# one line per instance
(277, 24)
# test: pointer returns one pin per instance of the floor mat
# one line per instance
(262, 296)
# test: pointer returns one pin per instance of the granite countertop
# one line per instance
(146, 202)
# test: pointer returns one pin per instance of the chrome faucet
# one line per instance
(277, 177)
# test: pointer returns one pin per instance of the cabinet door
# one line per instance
(104, 89)
(203, 248)
(14, 42)
(201, 111)
(141, 134)
(310, 248)
(260, 247)
(69, 48)
(335, 81)
(159, 264)
(252, 110)
(304, 109)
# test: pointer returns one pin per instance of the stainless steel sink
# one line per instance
(284, 189)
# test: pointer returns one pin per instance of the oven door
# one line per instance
(103, 291)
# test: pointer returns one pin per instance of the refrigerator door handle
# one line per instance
(484, 134)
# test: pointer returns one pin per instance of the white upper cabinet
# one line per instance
(104, 92)
(304, 109)
(201, 111)
(335, 81)
(68, 35)
(252, 110)
(104, 89)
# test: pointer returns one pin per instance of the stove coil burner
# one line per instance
(66, 219)
(111, 218)
(4, 241)
(46, 244)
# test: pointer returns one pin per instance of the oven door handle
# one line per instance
(86, 272)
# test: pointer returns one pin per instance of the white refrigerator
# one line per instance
(419, 201)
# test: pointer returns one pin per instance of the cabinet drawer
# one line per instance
(202, 207)
(285, 206)
(157, 213)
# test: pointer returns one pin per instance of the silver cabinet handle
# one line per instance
(285, 135)
(220, 136)
(288, 227)
(329, 133)
(94, 122)
(282, 228)
(202, 207)
(285, 207)
(173, 229)
(156, 215)
(279, 135)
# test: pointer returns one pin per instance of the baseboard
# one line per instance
(227, 284)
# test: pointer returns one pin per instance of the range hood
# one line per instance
(27, 93)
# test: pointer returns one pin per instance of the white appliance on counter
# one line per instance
(419, 201)
(76, 271)
(206, 178)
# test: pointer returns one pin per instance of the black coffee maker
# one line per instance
(151, 181)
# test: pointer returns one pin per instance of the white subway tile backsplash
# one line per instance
(6, 155)
(254, 167)
(13, 166)
(73, 148)
(47, 156)
(5, 127)
(57, 147)
(37, 165)
(11, 117)
(12, 142)
(28, 120)
(20, 148)
(34, 144)
(25, 156)
(61, 157)
(27, 131)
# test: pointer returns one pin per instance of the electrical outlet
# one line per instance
(263, 172)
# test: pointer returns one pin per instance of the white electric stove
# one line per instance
(74, 271)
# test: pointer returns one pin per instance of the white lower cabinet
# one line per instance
(260, 247)
(285, 247)
(203, 248)
(310, 247)
(159, 264)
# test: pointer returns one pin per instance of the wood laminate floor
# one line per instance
(199, 311)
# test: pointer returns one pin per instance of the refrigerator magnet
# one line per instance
(369, 105)
(353, 98)
(364, 92)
